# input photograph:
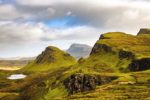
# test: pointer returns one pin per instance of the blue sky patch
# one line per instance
(7, 1)
(63, 22)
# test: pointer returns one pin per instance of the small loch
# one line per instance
(16, 76)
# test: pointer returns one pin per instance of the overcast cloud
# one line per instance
(30, 25)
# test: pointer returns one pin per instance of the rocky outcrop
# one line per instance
(140, 65)
(99, 47)
(125, 55)
(144, 31)
(103, 37)
(46, 55)
(82, 82)
(51, 55)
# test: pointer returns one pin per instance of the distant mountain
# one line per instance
(15, 61)
(79, 50)
(18, 58)
(27, 58)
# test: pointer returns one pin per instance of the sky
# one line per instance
(28, 26)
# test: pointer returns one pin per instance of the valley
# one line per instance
(117, 68)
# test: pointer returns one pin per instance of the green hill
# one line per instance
(50, 59)
(117, 51)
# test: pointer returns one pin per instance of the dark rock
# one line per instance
(140, 65)
(82, 82)
(46, 55)
(67, 55)
(103, 37)
(144, 31)
(125, 54)
(99, 47)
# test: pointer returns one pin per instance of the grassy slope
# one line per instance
(109, 61)
(129, 86)
(46, 71)
(4, 84)
(46, 86)
(139, 45)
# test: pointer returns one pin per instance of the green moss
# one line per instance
(56, 93)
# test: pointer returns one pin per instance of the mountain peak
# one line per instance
(51, 54)
(51, 57)
(79, 50)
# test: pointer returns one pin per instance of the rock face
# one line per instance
(103, 37)
(82, 82)
(139, 65)
(126, 54)
(52, 54)
(99, 47)
(79, 50)
(46, 55)
(144, 31)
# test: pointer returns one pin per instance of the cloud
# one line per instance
(17, 32)
(19, 37)
(6, 12)
(118, 14)
(31, 32)
(26, 23)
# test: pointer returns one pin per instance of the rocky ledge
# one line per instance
(144, 31)
(99, 47)
(83, 82)
(139, 65)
